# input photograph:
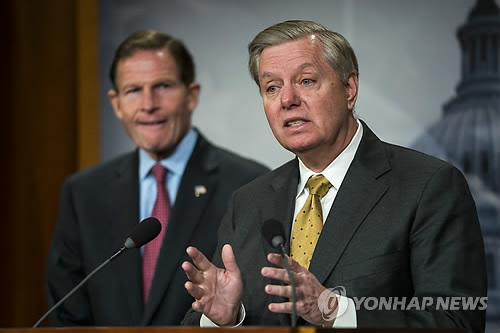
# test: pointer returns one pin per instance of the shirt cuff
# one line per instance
(347, 310)
(206, 322)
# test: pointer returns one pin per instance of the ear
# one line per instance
(115, 102)
(351, 88)
(193, 95)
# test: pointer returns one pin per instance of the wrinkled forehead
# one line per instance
(297, 55)
(146, 65)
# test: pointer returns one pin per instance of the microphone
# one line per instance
(274, 234)
(143, 233)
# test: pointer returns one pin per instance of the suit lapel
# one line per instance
(358, 194)
(124, 199)
(281, 207)
(185, 216)
(282, 201)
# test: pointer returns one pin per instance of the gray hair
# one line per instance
(336, 49)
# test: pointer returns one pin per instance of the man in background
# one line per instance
(359, 215)
(175, 174)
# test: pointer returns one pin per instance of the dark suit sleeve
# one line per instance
(446, 258)
(65, 267)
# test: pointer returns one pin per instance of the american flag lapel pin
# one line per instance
(199, 190)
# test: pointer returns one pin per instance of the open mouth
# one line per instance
(294, 123)
(151, 123)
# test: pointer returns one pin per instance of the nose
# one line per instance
(289, 97)
(148, 100)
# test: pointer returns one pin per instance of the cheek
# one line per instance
(126, 116)
(271, 109)
(128, 108)
(271, 120)
(174, 104)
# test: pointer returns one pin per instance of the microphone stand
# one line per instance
(48, 313)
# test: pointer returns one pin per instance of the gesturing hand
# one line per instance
(308, 290)
(217, 291)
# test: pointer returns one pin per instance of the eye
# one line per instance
(163, 85)
(307, 82)
(132, 90)
(271, 89)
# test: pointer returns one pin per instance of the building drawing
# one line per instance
(468, 133)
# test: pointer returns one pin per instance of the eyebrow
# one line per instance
(300, 68)
(305, 65)
(266, 75)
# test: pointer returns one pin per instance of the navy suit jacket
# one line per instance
(403, 224)
(100, 206)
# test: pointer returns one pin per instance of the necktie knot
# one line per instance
(159, 172)
(318, 185)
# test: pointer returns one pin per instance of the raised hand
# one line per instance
(308, 290)
(217, 291)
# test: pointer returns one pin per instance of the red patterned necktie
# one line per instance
(161, 211)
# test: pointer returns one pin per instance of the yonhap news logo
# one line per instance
(421, 303)
(333, 303)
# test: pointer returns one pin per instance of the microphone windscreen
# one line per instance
(145, 231)
(273, 232)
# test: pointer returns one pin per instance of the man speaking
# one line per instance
(374, 219)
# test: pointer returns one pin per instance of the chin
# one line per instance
(154, 149)
(298, 147)
(163, 151)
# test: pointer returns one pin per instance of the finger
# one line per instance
(197, 306)
(199, 259)
(194, 290)
(285, 307)
(275, 273)
(295, 266)
(275, 259)
(192, 273)
(229, 260)
(272, 289)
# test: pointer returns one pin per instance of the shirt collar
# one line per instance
(335, 171)
(175, 163)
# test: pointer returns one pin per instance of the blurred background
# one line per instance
(429, 79)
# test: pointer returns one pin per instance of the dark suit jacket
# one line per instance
(100, 206)
(402, 224)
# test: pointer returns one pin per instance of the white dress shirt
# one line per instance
(335, 173)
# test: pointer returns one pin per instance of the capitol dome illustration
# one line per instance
(468, 133)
